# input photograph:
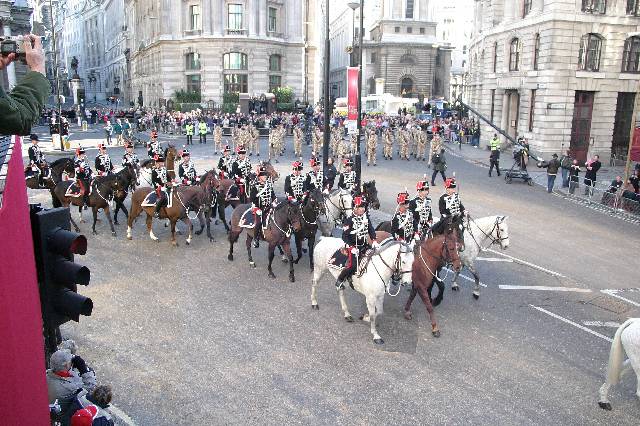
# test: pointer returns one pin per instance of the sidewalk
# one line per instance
(622, 209)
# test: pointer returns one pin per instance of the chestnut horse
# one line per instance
(430, 255)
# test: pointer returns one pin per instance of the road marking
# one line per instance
(611, 324)
(543, 288)
(465, 277)
(568, 321)
(494, 259)
(612, 293)
(121, 415)
(524, 262)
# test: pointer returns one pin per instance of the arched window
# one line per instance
(633, 7)
(235, 61)
(631, 54)
(406, 87)
(275, 63)
(407, 59)
(589, 53)
(536, 51)
(515, 52)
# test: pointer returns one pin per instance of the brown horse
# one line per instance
(225, 184)
(102, 189)
(430, 255)
(56, 172)
(183, 199)
(282, 220)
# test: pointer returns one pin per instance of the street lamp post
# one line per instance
(56, 73)
(327, 112)
(353, 5)
(360, 49)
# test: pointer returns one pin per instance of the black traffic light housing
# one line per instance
(54, 246)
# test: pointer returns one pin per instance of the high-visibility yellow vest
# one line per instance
(494, 144)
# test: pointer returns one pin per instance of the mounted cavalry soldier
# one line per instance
(405, 222)
(37, 164)
(359, 236)
(154, 148)
(83, 175)
(451, 211)
(347, 177)
(421, 207)
(187, 171)
(103, 163)
(240, 172)
(294, 183)
(161, 183)
(315, 177)
(130, 158)
(225, 163)
(262, 197)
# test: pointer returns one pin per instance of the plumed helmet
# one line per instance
(314, 162)
(297, 165)
(227, 148)
(241, 149)
(262, 171)
(185, 153)
(79, 150)
(450, 183)
(158, 158)
(422, 185)
(360, 201)
(348, 162)
(403, 198)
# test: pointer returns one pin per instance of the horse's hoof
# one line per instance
(292, 278)
(408, 315)
(605, 405)
(230, 257)
(113, 233)
(272, 275)
(315, 307)
(198, 232)
(436, 333)
(348, 319)
(129, 237)
(455, 287)
(94, 232)
(175, 244)
(304, 250)
(216, 222)
(187, 242)
(115, 222)
(252, 264)
(285, 260)
(476, 296)
(378, 341)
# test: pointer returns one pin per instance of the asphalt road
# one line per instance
(186, 337)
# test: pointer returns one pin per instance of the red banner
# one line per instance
(352, 93)
(635, 147)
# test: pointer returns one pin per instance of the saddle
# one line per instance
(152, 198)
(248, 219)
(76, 191)
(233, 194)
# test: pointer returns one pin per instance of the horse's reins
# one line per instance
(438, 258)
(396, 268)
(316, 210)
(496, 227)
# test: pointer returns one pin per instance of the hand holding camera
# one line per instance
(27, 49)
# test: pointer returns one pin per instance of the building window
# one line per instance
(409, 10)
(532, 107)
(397, 29)
(236, 83)
(194, 17)
(495, 56)
(193, 83)
(273, 19)
(633, 7)
(594, 6)
(493, 103)
(407, 59)
(589, 54)
(275, 63)
(275, 81)
(438, 59)
(193, 61)
(526, 7)
(234, 61)
(374, 57)
(406, 87)
(235, 17)
(536, 52)
(422, 31)
(514, 54)
(409, 30)
(631, 54)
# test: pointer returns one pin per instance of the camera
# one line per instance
(13, 44)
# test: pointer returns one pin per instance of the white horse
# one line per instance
(627, 339)
(480, 234)
(144, 174)
(337, 205)
(394, 258)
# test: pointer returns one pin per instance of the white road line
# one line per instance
(524, 262)
(121, 415)
(465, 277)
(612, 293)
(611, 324)
(543, 288)
(563, 319)
(494, 259)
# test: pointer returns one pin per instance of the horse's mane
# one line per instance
(60, 161)
(145, 163)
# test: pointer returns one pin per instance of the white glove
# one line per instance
(375, 245)
(354, 250)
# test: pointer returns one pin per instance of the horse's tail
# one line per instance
(438, 299)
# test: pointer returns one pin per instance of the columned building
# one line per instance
(220, 46)
(562, 74)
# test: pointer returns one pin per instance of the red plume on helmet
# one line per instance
(403, 198)
(450, 183)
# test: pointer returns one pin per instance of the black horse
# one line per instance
(311, 209)
(127, 177)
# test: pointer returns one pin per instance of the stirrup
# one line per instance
(339, 285)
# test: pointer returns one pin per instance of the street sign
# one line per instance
(352, 127)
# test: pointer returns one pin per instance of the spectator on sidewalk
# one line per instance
(634, 180)
(591, 175)
(565, 163)
(494, 157)
(68, 375)
(574, 178)
(615, 184)
(552, 171)
(96, 402)
(108, 130)
(330, 174)
(439, 166)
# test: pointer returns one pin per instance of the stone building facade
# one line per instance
(213, 47)
(562, 73)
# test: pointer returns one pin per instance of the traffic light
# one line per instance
(58, 275)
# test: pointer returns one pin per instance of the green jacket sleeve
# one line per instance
(21, 108)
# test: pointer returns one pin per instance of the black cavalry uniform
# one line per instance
(154, 148)
(450, 206)
(38, 164)
(314, 180)
(355, 230)
(187, 173)
(160, 180)
(422, 209)
(130, 159)
(294, 186)
(225, 165)
(404, 225)
(347, 181)
(103, 164)
(241, 168)
(83, 176)
(262, 197)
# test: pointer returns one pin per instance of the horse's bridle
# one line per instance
(496, 227)
(396, 269)
(446, 258)
(317, 208)
(341, 205)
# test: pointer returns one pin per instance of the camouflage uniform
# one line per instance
(404, 145)
(217, 139)
(297, 141)
(421, 144)
(436, 145)
(372, 146)
(388, 144)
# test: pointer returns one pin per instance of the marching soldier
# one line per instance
(154, 148)
(404, 145)
(130, 157)
(262, 197)
(359, 236)
(372, 146)
(294, 183)
(347, 177)
(217, 138)
(103, 163)
(404, 223)
(436, 146)
(37, 164)
(421, 144)
(83, 173)
(202, 131)
(254, 138)
(421, 208)
(225, 163)
(318, 137)
(315, 177)
(297, 141)
(189, 131)
(388, 144)
(187, 171)
(162, 184)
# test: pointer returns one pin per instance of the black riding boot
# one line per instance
(344, 275)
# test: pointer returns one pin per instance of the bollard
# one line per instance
(85, 125)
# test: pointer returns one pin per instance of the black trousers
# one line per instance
(189, 139)
(496, 164)
(203, 138)
(435, 173)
